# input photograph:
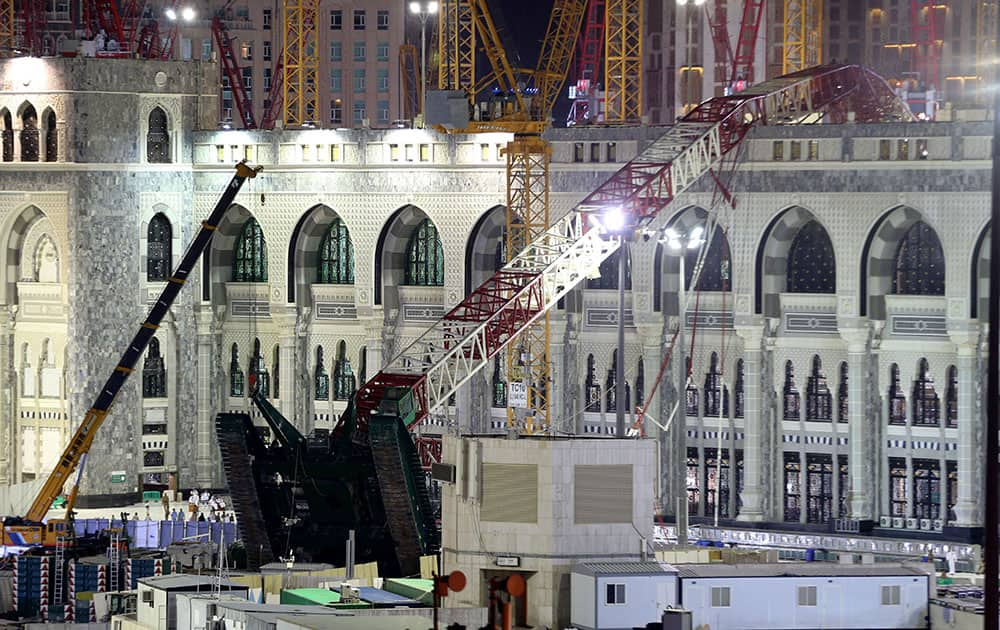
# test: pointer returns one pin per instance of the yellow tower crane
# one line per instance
(623, 60)
(803, 43)
(526, 113)
(986, 42)
(301, 61)
(6, 28)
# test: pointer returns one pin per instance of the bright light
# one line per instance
(188, 14)
(171, 14)
(674, 244)
(432, 7)
(414, 7)
(671, 234)
(681, 3)
(696, 233)
(613, 220)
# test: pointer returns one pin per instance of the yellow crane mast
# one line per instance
(803, 42)
(986, 42)
(623, 61)
(6, 28)
(457, 45)
(301, 59)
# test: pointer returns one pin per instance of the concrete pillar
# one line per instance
(970, 461)
(653, 350)
(7, 392)
(204, 432)
(288, 390)
(753, 473)
(860, 467)
(374, 330)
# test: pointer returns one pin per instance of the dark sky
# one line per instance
(522, 23)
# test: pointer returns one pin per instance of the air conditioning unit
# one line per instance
(912, 523)
(885, 521)
(897, 522)
(937, 524)
(925, 523)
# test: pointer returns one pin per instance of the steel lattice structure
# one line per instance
(469, 336)
(926, 37)
(409, 70)
(227, 57)
(556, 55)
(456, 45)
(746, 43)
(986, 42)
(803, 42)
(623, 61)
(301, 59)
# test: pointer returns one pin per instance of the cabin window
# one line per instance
(890, 595)
(807, 596)
(720, 597)
(615, 595)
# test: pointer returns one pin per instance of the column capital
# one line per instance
(965, 334)
(751, 331)
(285, 316)
(205, 317)
(649, 332)
(856, 335)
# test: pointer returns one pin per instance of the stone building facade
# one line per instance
(835, 350)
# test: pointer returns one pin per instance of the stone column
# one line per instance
(559, 372)
(653, 351)
(753, 443)
(285, 317)
(374, 330)
(860, 467)
(965, 336)
(204, 433)
(7, 391)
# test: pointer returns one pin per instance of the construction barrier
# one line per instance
(160, 534)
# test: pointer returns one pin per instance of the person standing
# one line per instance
(165, 502)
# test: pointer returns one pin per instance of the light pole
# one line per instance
(687, 48)
(423, 11)
(186, 14)
(616, 223)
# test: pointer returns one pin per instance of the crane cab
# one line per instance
(397, 402)
(28, 534)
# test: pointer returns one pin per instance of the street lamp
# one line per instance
(687, 46)
(616, 222)
(423, 10)
(187, 14)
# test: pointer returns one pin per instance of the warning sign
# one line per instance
(517, 394)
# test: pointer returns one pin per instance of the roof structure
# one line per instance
(624, 568)
(183, 582)
(798, 569)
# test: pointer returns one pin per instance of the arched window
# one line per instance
(158, 138)
(343, 377)
(640, 385)
(740, 390)
(792, 402)
(336, 255)
(591, 388)
(500, 252)
(321, 381)
(842, 410)
(250, 264)
(235, 374)
(424, 257)
(154, 376)
(499, 385)
(713, 383)
(919, 262)
(29, 135)
(158, 248)
(51, 137)
(897, 399)
(926, 404)
(609, 273)
(691, 399)
(260, 378)
(819, 402)
(812, 267)
(715, 271)
(7, 131)
(276, 372)
(363, 364)
(951, 397)
(610, 385)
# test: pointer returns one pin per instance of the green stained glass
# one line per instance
(250, 264)
(336, 255)
(424, 257)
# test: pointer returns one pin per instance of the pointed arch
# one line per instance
(795, 255)
(819, 401)
(29, 133)
(391, 254)
(320, 251)
(897, 399)
(336, 255)
(260, 377)
(812, 267)
(154, 374)
(979, 286)
(926, 404)
(321, 381)
(486, 247)
(51, 135)
(250, 258)
(792, 402)
(158, 137)
(714, 389)
(6, 135)
(716, 269)
(424, 257)
(919, 262)
(16, 234)
(159, 246)
(343, 376)
(499, 384)
(219, 261)
(235, 373)
(591, 387)
(879, 275)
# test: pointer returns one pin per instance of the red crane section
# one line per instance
(926, 55)
(275, 95)
(104, 13)
(224, 42)
(746, 45)
(716, 15)
(588, 64)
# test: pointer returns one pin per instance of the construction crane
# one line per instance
(623, 61)
(29, 529)
(986, 43)
(734, 71)
(456, 45)
(586, 105)
(412, 86)
(301, 63)
(233, 73)
(803, 31)
(7, 42)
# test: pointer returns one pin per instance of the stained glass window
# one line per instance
(951, 397)
(152, 458)
(919, 262)
(843, 414)
(158, 248)
(791, 400)
(897, 400)
(250, 264)
(8, 137)
(812, 267)
(29, 135)
(336, 255)
(424, 257)
(819, 488)
(610, 387)
(897, 486)
(260, 378)
(715, 271)
(691, 397)
(793, 489)
(819, 402)
(740, 387)
(693, 490)
(499, 385)
(951, 467)
(609, 273)
(343, 377)
(363, 363)
(51, 137)
(717, 478)
(843, 471)
(926, 404)
(235, 374)
(276, 372)
(158, 138)
(321, 380)
(591, 388)
(154, 375)
(713, 383)
(640, 385)
(926, 488)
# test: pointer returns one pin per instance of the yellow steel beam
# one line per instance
(528, 358)
(301, 60)
(803, 42)
(456, 46)
(6, 28)
(556, 55)
(623, 60)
